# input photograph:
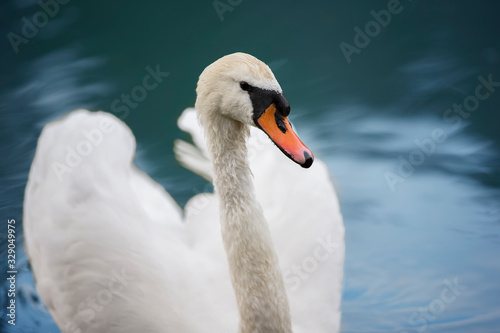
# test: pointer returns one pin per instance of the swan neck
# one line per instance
(253, 263)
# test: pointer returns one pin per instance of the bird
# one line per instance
(111, 251)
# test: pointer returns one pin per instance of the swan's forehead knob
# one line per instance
(282, 106)
(263, 98)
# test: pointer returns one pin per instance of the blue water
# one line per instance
(422, 224)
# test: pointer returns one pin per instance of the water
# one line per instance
(422, 253)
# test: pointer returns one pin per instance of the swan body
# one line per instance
(111, 251)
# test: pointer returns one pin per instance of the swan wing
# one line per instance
(106, 244)
(195, 156)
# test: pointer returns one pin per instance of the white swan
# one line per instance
(111, 252)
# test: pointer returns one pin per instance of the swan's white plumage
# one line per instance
(104, 218)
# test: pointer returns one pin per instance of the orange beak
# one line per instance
(278, 128)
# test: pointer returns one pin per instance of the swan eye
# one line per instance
(245, 86)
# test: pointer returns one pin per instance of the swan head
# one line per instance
(243, 88)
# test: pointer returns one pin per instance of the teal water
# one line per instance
(419, 185)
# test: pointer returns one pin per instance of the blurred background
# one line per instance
(392, 106)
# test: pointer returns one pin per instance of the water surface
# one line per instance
(421, 254)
